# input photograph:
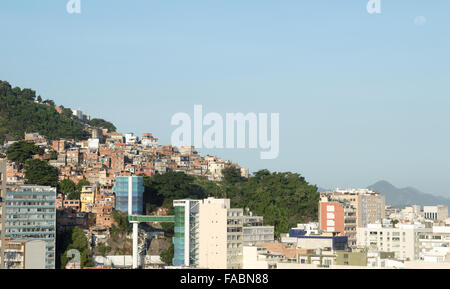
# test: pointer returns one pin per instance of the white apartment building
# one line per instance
(435, 213)
(410, 214)
(435, 245)
(402, 240)
(80, 115)
(130, 138)
(212, 233)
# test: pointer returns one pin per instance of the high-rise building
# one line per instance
(186, 233)
(345, 210)
(255, 233)
(29, 254)
(129, 194)
(30, 214)
(402, 240)
(210, 234)
(435, 245)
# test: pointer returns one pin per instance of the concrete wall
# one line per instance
(213, 234)
(35, 254)
(250, 259)
(115, 261)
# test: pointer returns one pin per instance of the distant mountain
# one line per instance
(320, 190)
(407, 196)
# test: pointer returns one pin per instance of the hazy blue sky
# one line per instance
(361, 97)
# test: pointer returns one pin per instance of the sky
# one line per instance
(361, 97)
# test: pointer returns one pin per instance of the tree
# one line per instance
(103, 249)
(167, 255)
(53, 155)
(49, 101)
(38, 172)
(67, 186)
(101, 123)
(78, 242)
(232, 175)
(28, 94)
(21, 151)
(122, 226)
(162, 189)
(74, 195)
(81, 183)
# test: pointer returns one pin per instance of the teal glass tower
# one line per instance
(130, 194)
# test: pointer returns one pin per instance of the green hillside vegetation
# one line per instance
(19, 113)
(284, 199)
(21, 151)
(73, 239)
(101, 123)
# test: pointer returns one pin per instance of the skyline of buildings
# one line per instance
(354, 226)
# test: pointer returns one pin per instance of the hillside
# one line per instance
(401, 197)
(22, 111)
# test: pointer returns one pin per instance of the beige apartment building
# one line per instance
(435, 213)
(210, 234)
(220, 235)
(359, 207)
(369, 205)
(213, 233)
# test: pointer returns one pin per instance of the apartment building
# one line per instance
(402, 240)
(31, 215)
(256, 235)
(346, 210)
(25, 254)
(435, 213)
(435, 245)
(313, 239)
(210, 234)
(408, 215)
(338, 216)
(87, 198)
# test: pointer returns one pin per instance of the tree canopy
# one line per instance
(76, 239)
(67, 186)
(21, 151)
(101, 123)
(38, 172)
(162, 189)
(122, 226)
(283, 199)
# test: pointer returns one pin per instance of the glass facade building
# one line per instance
(30, 214)
(129, 194)
(178, 238)
(185, 239)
